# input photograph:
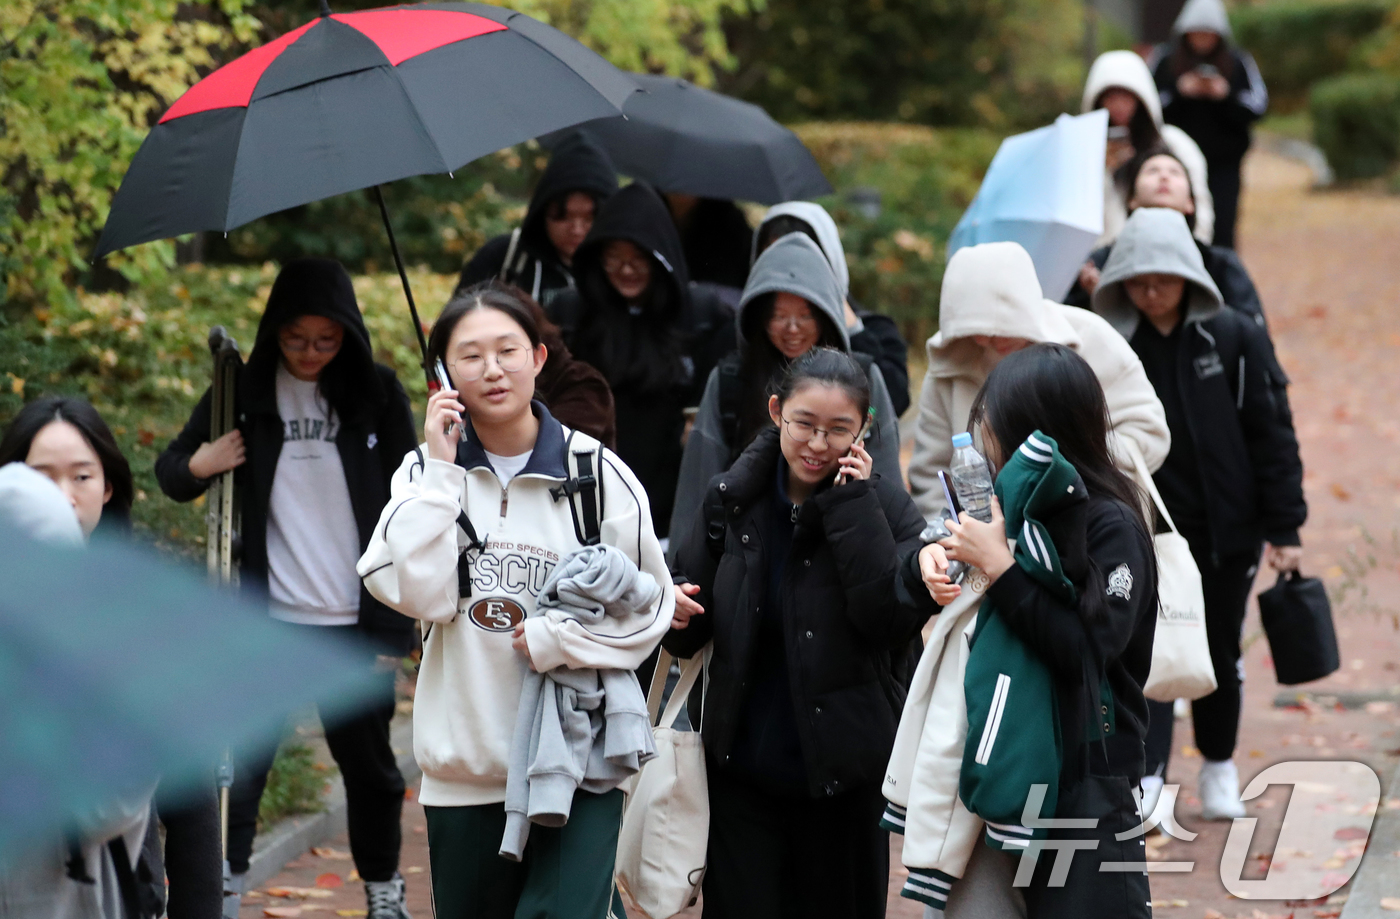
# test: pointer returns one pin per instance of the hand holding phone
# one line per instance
(445, 384)
(860, 439)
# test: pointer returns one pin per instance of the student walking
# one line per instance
(321, 426)
(791, 305)
(1084, 611)
(655, 336)
(1120, 82)
(538, 255)
(481, 514)
(1233, 479)
(791, 575)
(992, 306)
(1212, 90)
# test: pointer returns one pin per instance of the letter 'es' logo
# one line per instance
(496, 614)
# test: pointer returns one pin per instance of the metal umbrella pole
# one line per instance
(407, 291)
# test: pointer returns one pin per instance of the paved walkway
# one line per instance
(1328, 268)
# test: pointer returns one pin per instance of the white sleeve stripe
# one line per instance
(1256, 96)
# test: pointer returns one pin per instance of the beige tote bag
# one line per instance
(1181, 665)
(666, 824)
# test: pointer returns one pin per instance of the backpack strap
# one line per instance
(507, 269)
(474, 542)
(713, 509)
(586, 482)
(731, 397)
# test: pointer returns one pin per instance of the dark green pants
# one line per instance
(567, 872)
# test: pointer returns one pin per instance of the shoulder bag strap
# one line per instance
(1145, 480)
(690, 672)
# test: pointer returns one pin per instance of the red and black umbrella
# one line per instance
(350, 101)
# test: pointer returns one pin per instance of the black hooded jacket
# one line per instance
(837, 641)
(656, 356)
(376, 427)
(578, 164)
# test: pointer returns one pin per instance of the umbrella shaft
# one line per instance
(403, 276)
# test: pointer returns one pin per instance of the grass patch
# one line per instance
(296, 784)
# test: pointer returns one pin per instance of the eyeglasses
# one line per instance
(297, 344)
(472, 367)
(616, 264)
(800, 323)
(804, 431)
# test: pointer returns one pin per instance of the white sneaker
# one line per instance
(386, 898)
(1219, 788)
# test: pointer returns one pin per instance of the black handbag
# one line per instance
(1297, 618)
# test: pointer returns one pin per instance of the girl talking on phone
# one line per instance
(792, 566)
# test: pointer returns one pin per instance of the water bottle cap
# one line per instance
(962, 440)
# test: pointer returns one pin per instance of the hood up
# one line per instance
(1203, 16)
(578, 163)
(1155, 240)
(33, 507)
(823, 227)
(315, 287)
(992, 289)
(1125, 70)
(796, 265)
(638, 215)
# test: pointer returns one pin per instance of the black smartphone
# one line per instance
(950, 495)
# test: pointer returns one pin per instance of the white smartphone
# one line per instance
(445, 382)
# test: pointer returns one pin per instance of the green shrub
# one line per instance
(1299, 42)
(1356, 122)
(295, 785)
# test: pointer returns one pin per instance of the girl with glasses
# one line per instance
(321, 429)
(796, 581)
(792, 304)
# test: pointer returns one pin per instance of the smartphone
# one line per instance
(1119, 132)
(1206, 70)
(445, 382)
(860, 439)
(950, 495)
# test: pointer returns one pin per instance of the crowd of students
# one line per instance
(652, 434)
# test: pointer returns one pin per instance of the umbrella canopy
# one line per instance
(1044, 190)
(117, 667)
(682, 138)
(349, 101)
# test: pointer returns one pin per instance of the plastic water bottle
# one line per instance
(972, 478)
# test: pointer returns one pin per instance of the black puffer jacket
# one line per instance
(376, 428)
(844, 625)
(578, 164)
(656, 355)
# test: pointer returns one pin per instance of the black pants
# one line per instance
(1223, 178)
(1089, 892)
(374, 788)
(776, 856)
(1216, 717)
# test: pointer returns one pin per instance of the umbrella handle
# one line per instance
(403, 276)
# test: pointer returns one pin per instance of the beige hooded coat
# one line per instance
(992, 289)
(1126, 70)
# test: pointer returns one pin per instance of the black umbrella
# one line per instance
(117, 667)
(682, 138)
(350, 101)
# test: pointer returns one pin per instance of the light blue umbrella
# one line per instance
(1044, 190)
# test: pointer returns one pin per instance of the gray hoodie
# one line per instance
(794, 264)
(578, 729)
(1155, 240)
(1203, 16)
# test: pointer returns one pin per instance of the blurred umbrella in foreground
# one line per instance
(1044, 190)
(682, 138)
(117, 667)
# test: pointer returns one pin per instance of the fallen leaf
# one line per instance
(328, 852)
(352, 912)
(1340, 492)
(1350, 832)
(1333, 863)
(1327, 913)
(413, 869)
(329, 879)
(353, 876)
(1391, 903)
(282, 912)
(1213, 914)
(1163, 904)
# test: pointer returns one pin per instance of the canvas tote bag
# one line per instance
(1181, 665)
(666, 824)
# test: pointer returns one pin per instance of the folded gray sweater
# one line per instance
(578, 729)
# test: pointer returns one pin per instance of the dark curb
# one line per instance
(1376, 876)
(294, 836)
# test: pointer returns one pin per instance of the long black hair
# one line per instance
(39, 414)
(762, 366)
(1048, 387)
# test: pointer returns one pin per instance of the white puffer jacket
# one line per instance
(992, 290)
(1126, 70)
